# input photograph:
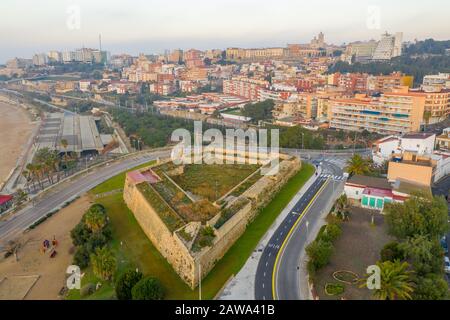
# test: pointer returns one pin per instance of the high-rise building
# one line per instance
(390, 46)
(54, 56)
(40, 59)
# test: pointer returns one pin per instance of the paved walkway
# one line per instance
(242, 286)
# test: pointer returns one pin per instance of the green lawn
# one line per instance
(134, 249)
(214, 180)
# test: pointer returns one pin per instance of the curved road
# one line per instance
(277, 275)
(60, 194)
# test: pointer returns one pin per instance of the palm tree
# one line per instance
(103, 263)
(426, 117)
(358, 165)
(95, 220)
(396, 282)
(64, 144)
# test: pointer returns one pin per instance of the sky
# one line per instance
(151, 26)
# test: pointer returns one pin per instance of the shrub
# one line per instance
(334, 289)
(319, 253)
(148, 289)
(391, 252)
(126, 282)
(81, 257)
(103, 263)
(97, 240)
(87, 289)
(331, 232)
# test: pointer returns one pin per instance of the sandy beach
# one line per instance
(15, 131)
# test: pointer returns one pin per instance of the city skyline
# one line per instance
(177, 24)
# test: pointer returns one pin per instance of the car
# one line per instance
(444, 244)
(447, 265)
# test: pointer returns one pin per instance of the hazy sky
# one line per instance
(28, 26)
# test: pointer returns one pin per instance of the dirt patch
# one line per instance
(358, 247)
(33, 262)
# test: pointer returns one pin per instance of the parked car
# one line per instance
(447, 265)
(444, 244)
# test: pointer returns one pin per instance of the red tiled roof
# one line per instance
(4, 199)
(378, 192)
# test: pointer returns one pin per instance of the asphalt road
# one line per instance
(21, 220)
(278, 278)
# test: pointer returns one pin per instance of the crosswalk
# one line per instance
(334, 177)
(340, 162)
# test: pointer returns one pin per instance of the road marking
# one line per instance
(275, 267)
(264, 274)
(263, 285)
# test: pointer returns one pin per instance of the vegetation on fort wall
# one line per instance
(170, 218)
(229, 212)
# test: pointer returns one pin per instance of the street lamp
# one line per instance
(303, 140)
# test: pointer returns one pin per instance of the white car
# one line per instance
(447, 265)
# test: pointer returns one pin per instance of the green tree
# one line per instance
(80, 234)
(319, 253)
(431, 287)
(103, 263)
(392, 251)
(259, 111)
(396, 281)
(125, 283)
(419, 215)
(148, 289)
(358, 165)
(20, 197)
(426, 255)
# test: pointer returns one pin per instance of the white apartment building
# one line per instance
(390, 46)
(436, 82)
(419, 143)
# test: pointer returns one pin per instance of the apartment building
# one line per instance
(385, 83)
(412, 167)
(389, 114)
(385, 148)
(244, 87)
(436, 82)
(299, 105)
(255, 54)
(360, 51)
(443, 141)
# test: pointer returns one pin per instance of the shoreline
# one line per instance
(16, 128)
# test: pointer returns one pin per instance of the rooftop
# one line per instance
(418, 135)
(4, 199)
(371, 182)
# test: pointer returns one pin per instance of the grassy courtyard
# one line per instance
(133, 248)
(213, 181)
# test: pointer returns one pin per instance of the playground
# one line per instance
(37, 271)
